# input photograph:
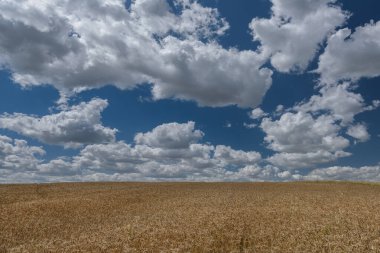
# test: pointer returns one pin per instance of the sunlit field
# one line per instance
(190, 217)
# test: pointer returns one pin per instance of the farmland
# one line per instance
(190, 217)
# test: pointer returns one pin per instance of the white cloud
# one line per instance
(305, 159)
(258, 173)
(81, 45)
(61, 167)
(301, 133)
(279, 108)
(365, 173)
(359, 132)
(210, 74)
(119, 161)
(145, 161)
(171, 135)
(155, 16)
(228, 155)
(257, 113)
(194, 21)
(293, 34)
(303, 140)
(168, 151)
(111, 157)
(341, 103)
(141, 162)
(197, 20)
(249, 125)
(310, 133)
(78, 125)
(17, 156)
(351, 55)
(177, 157)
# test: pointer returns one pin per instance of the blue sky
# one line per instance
(212, 90)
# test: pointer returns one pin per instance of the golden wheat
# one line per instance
(190, 217)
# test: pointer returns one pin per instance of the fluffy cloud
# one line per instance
(171, 135)
(351, 55)
(78, 125)
(17, 156)
(257, 113)
(359, 132)
(169, 152)
(257, 173)
(229, 156)
(305, 159)
(296, 29)
(194, 21)
(365, 173)
(119, 161)
(81, 45)
(210, 75)
(300, 132)
(60, 167)
(339, 101)
(303, 140)
(310, 133)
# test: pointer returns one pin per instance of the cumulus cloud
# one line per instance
(351, 55)
(259, 173)
(359, 132)
(300, 132)
(61, 167)
(210, 74)
(119, 161)
(305, 159)
(78, 125)
(140, 162)
(257, 113)
(340, 101)
(194, 21)
(171, 135)
(170, 151)
(365, 173)
(311, 132)
(303, 140)
(17, 156)
(295, 30)
(228, 155)
(81, 45)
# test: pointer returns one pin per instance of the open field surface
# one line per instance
(190, 217)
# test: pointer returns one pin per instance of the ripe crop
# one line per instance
(190, 217)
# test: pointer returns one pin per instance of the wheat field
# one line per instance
(190, 217)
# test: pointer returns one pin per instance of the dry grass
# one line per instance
(190, 217)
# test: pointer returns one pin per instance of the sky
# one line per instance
(185, 90)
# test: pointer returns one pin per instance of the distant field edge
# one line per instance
(194, 182)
